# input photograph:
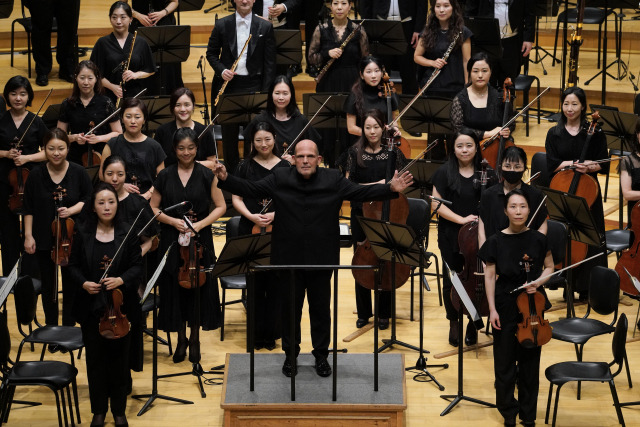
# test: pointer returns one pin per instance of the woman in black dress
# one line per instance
(630, 174)
(110, 54)
(144, 156)
(188, 181)
(107, 360)
(367, 164)
(505, 254)
(16, 124)
(262, 160)
(457, 181)
(564, 145)
(57, 174)
(444, 22)
(182, 104)
(86, 108)
(283, 115)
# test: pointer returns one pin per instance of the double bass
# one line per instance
(629, 261)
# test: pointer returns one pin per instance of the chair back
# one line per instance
(604, 291)
(557, 240)
(619, 342)
(418, 219)
(539, 164)
(26, 300)
(233, 227)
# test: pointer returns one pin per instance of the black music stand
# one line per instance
(169, 44)
(240, 108)
(51, 115)
(422, 171)
(620, 128)
(581, 227)
(477, 321)
(431, 115)
(332, 115)
(385, 37)
(188, 6)
(397, 243)
(159, 112)
(486, 36)
(546, 8)
(288, 47)
(6, 8)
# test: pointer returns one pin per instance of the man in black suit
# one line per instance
(307, 200)
(282, 13)
(256, 67)
(517, 29)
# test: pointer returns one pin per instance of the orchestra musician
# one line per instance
(261, 162)
(306, 232)
(630, 174)
(144, 156)
(367, 164)
(182, 104)
(278, 12)
(40, 211)
(107, 360)
(456, 181)
(112, 52)
(14, 125)
(503, 253)
(87, 105)
(255, 70)
(564, 144)
(189, 181)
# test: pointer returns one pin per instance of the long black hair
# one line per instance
(431, 30)
(363, 142)
(359, 84)
(89, 216)
(452, 164)
(582, 97)
(267, 127)
(97, 87)
(292, 109)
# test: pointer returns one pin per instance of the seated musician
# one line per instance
(630, 174)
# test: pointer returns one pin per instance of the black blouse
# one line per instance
(164, 136)
(370, 101)
(560, 146)
(142, 158)
(31, 142)
(128, 209)
(464, 114)
(632, 165)
(145, 7)
(38, 198)
(286, 130)
(451, 77)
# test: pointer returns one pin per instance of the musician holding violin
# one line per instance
(15, 162)
(458, 180)
(54, 195)
(101, 242)
(188, 181)
(83, 110)
(516, 256)
(367, 164)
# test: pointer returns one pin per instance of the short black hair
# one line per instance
(17, 82)
(185, 133)
(515, 192)
(135, 103)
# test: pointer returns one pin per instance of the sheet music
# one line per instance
(156, 274)
(10, 282)
(462, 292)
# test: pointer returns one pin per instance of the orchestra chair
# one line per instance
(618, 240)
(57, 376)
(592, 15)
(539, 164)
(237, 281)
(561, 373)
(37, 286)
(523, 84)
(151, 303)
(27, 25)
(604, 291)
(557, 244)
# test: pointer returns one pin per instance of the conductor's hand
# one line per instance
(227, 75)
(220, 171)
(112, 282)
(494, 318)
(335, 53)
(399, 182)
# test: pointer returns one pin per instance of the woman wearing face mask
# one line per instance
(492, 216)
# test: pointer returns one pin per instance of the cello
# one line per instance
(534, 330)
(62, 230)
(629, 261)
(494, 152)
(113, 323)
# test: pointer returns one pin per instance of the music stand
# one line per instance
(6, 8)
(546, 8)
(240, 108)
(385, 37)
(581, 227)
(422, 171)
(159, 112)
(288, 47)
(332, 116)
(486, 36)
(169, 44)
(51, 115)
(188, 6)
(620, 128)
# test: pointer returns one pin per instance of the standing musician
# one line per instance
(283, 115)
(87, 105)
(503, 253)
(367, 164)
(14, 125)
(630, 174)
(189, 181)
(564, 144)
(456, 181)
(124, 67)
(255, 70)
(144, 156)
(306, 232)
(40, 211)
(182, 104)
(365, 95)
(444, 22)
(277, 11)
(261, 162)
(340, 76)
(107, 359)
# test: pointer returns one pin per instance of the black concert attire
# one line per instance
(479, 120)
(370, 101)
(560, 146)
(142, 158)
(464, 203)
(306, 232)
(311, 16)
(10, 236)
(223, 50)
(66, 13)
(512, 362)
(107, 360)
(375, 169)
(267, 288)
(109, 57)
(632, 165)
(340, 77)
(177, 303)
(39, 203)
(164, 136)
(78, 117)
(284, 20)
(286, 130)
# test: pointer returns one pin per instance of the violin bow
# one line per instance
(202, 134)
(537, 210)
(106, 270)
(304, 129)
(33, 118)
(533, 177)
(111, 115)
(425, 151)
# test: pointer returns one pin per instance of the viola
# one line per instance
(630, 258)
(113, 323)
(62, 230)
(91, 158)
(492, 152)
(387, 91)
(17, 178)
(256, 229)
(190, 274)
(534, 330)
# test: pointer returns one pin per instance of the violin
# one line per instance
(113, 323)
(91, 158)
(62, 230)
(17, 178)
(629, 260)
(573, 182)
(386, 91)
(261, 230)
(190, 274)
(534, 330)
(493, 152)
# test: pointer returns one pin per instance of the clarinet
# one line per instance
(576, 42)
(126, 66)
(342, 46)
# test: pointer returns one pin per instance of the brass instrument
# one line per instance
(126, 66)
(232, 69)
(342, 46)
(576, 42)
